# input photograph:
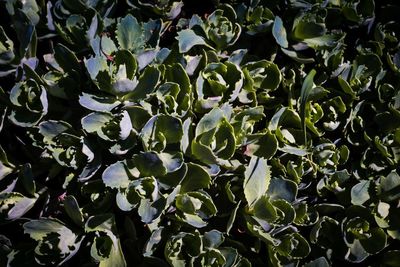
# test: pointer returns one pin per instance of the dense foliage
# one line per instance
(199, 133)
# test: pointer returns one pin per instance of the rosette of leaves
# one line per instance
(358, 11)
(204, 250)
(221, 27)
(218, 83)
(64, 75)
(243, 122)
(65, 8)
(137, 185)
(168, 9)
(113, 70)
(385, 213)
(135, 36)
(115, 129)
(257, 19)
(56, 242)
(357, 78)
(200, 127)
(114, 78)
(106, 246)
(219, 31)
(361, 234)
(329, 157)
(75, 27)
(160, 131)
(284, 244)
(79, 22)
(263, 74)
(195, 208)
(69, 149)
(214, 139)
(271, 208)
(285, 124)
(174, 94)
(23, 17)
(20, 195)
(310, 28)
(144, 189)
(29, 103)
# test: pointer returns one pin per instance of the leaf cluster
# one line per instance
(169, 133)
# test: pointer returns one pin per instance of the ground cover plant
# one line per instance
(199, 133)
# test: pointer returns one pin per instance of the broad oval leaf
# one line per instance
(257, 178)
(279, 32)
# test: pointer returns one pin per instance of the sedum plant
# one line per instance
(221, 133)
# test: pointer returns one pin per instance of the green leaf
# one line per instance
(98, 102)
(279, 32)
(262, 235)
(294, 150)
(280, 188)
(157, 164)
(51, 129)
(306, 90)
(126, 58)
(264, 146)
(256, 180)
(116, 175)
(389, 187)
(319, 262)
(105, 225)
(25, 32)
(346, 87)
(94, 123)
(209, 121)
(4, 170)
(188, 39)
(66, 58)
(195, 178)
(71, 207)
(54, 239)
(203, 153)
(130, 33)
(95, 66)
(359, 193)
(375, 242)
(150, 211)
(6, 48)
(139, 116)
(14, 205)
(297, 57)
(309, 29)
(356, 252)
(161, 130)
(232, 218)
(27, 180)
(147, 84)
(263, 209)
